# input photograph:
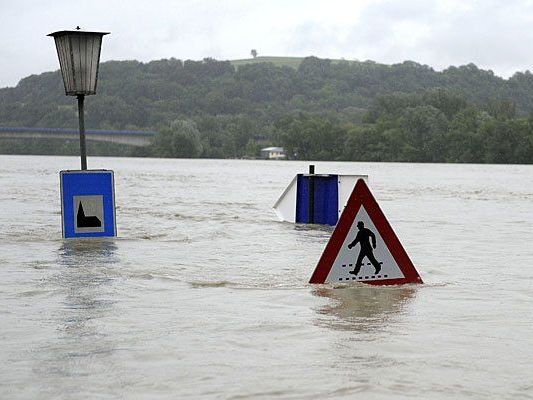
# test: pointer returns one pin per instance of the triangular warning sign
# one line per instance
(363, 247)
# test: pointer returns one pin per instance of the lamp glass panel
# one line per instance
(79, 55)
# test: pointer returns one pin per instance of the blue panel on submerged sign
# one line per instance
(317, 199)
(87, 203)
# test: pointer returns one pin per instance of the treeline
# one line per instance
(324, 109)
(435, 126)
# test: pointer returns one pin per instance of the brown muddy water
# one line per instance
(204, 294)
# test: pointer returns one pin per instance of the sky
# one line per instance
(493, 34)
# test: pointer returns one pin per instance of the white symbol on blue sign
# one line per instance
(89, 214)
(88, 203)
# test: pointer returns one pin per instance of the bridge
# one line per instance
(129, 137)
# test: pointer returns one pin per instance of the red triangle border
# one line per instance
(361, 196)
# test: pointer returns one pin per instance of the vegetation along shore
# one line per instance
(317, 109)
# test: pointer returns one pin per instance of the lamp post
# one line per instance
(79, 56)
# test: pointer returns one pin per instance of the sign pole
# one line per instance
(87, 197)
(311, 204)
(83, 150)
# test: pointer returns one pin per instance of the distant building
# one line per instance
(273, 153)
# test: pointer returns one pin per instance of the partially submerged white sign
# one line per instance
(363, 247)
(287, 204)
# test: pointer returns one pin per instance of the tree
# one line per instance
(365, 143)
(311, 137)
(179, 140)
(326, 109)
(423, 133)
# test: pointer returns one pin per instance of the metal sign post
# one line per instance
(79, 57)
(87, 197)
(83, 150)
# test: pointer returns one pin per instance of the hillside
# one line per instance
(293, 62)
(230, 108)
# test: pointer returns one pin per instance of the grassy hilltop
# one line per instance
(316, 108)
(293, 62)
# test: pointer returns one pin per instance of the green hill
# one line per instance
(405, 111)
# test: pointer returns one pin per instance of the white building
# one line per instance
(273, 153)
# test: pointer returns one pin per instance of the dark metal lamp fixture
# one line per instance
(79, 57)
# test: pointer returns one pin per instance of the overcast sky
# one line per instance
(493, 34)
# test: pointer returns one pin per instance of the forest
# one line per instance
(320, 110)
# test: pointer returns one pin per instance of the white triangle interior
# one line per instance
(346, 258)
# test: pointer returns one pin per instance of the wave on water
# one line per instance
(247, 285)
(205, 284)
(160, 237)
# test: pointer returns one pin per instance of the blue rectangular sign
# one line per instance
(325, 199)
(88, 203)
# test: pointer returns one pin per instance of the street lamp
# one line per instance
(79, 56)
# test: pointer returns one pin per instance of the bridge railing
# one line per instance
(131, 137)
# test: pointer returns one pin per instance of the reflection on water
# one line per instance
(313, 228)
(85, 279)
(80, 252)
(362, 307)
(86, 282)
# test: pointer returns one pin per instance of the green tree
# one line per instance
(311, 137)
(423, 130)
(507, 141)
(179, 140)
(366, 143)
(464, 141)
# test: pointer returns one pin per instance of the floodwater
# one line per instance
(204, 294)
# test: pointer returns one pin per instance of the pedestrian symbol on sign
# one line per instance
(363, 238)
(362, 222)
